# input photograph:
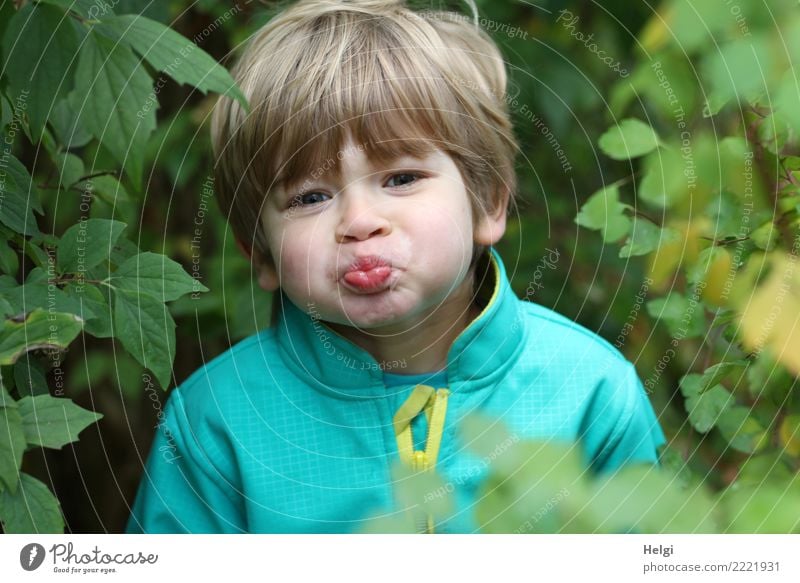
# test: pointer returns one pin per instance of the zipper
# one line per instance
(434, 404)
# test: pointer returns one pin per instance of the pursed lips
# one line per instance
(368, 273)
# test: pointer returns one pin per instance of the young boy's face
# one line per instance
(378, 247)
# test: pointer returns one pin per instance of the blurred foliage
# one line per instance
(682, 122)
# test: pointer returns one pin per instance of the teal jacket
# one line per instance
(296, 429)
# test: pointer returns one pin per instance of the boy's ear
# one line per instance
(263, 265)
(491, 226)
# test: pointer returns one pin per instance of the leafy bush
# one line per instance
(710, 129)
(78, 85)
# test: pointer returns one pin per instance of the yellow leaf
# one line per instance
(770, 317)
(657, 30)
(790, 434)
(674, 253)
(716, 279)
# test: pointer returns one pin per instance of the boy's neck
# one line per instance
(422, 347)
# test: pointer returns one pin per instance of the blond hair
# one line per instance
(399, 82)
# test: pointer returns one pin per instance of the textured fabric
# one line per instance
(290, 431)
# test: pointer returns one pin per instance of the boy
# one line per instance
(368, 184)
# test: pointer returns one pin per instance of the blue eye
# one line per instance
(306, 199)
(405, 175)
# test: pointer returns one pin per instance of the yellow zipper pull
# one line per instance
(419, 461)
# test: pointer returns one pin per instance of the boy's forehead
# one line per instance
(326, 163)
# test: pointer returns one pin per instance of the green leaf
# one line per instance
(787, 101)
(9, 261)
(715, 102)
(90, 9)
(12, 442)
(20, 198)
(739, 67)
(22, 182)
(647, 499)
(664, 184)
(766, 236)
(6, 309)
(33, 509)
(774, 132)
(706, 408)
(605, 213)
(30, 377)
(742, 431)
(683, 316)
(541, 481)
(65, 121)
(38, 48)
(717, 373)
(69, 167)
(168, 51)
(156, 275)
(630, 139)
(94, 308)
(118, 92)
(421, 493)
(691, 385)
(693, 24)
(645, 238)
(36, 293)
(87, 243)
(6, 113)
(482, 434)
(767, 508)
(53, 422)
(147, 331)
(106, 188)
(769, 466)
(39, 330)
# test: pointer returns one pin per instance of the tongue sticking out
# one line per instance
(368, 279)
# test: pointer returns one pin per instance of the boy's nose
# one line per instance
(361, 218)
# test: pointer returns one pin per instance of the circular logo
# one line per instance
(31, 556)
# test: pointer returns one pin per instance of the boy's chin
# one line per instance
(375, 320)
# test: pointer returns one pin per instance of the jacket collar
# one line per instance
(479, 356)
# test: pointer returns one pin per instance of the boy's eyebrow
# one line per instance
(294, 183)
